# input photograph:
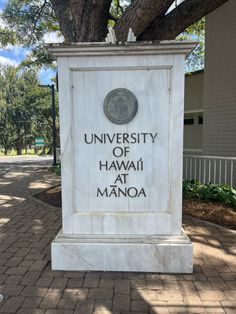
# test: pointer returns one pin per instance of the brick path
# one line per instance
(27, 228)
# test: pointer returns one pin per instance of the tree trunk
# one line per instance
(86, 20)
(19, 145)
(63, 12)
(83, 20)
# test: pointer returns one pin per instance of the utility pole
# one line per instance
(54, 134)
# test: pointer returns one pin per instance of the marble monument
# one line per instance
(121, 121)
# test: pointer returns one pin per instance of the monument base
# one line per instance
(166, 254)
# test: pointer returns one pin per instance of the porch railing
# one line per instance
(214, 169)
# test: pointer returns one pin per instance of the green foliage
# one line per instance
(57, 169)
(29, 21)
(209, 192)
(25, 109)
(195, 32)
(27, 24)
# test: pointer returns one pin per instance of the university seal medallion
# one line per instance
(120, 106)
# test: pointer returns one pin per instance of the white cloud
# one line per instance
(53, 37)
(16, 51)
(8, 61)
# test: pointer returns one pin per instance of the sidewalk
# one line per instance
(27, 228)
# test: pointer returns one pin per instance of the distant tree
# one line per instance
(25, 109)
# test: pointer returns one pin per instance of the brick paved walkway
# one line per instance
(27, 228)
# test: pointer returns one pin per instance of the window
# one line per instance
(200, 119)
(188, 121)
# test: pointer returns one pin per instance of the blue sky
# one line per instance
(15, 54)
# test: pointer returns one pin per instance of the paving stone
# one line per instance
(26, 264)
(67, 304)
(11, 290)
(223, 269)
(217, 283)
(74, 282)
(84, 307)
(12, 305)
(212, 295)
(51, 299)
(100, 293)
(55, 311)
(213, 307)
(137, 306)
(159, 308)
(143, 294)
(107, 312)
(231, 284)
(91, 280)
(111, 275)
(27, 278)
(138, 283)
(3, 261)
(106, 283)
(3, 278)
(166, 295)
(229, 306)
(59, 283)
(16, 271)
(32, 302)
(192, 299)
(13, 279)
(202, 285)
(122, 286)
(38, 265)
(34, 256)
(30, 311)
(30, 278)
(170, 285)
(74, 274)
(187, 287)
(121, 303)
(14, 261)
(177, 307)
(103, 305)
(229, 276)
(53, 273)
(34, 291)
(22, 252)
(230, 294)
(44, 282)
(75, 293)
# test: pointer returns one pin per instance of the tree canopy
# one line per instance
(29, 22)
(87, 20)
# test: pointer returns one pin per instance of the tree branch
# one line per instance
(139, 16)
(184, 15)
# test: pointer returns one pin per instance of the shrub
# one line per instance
(57, 169)
(209, 192)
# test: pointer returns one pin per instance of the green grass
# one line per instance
(30, 152)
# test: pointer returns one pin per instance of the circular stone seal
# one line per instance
(120, 106)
